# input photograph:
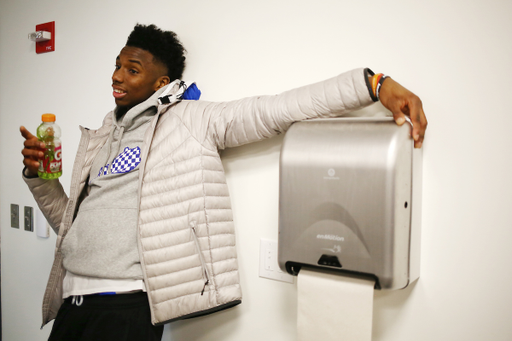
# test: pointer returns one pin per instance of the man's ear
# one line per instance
(161, 82)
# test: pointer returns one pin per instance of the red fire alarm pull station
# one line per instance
(44, 36)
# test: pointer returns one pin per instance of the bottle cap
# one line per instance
(48, 118)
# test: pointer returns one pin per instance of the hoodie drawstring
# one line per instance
(109, 144)
(121, 132)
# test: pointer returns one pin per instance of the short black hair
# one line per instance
(163, 45)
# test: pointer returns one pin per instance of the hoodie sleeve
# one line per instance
(50, 198)
(231, 124)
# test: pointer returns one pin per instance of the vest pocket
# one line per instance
(204, 269)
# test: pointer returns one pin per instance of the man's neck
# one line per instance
(120, 112)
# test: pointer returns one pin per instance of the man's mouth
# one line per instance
(118, 93)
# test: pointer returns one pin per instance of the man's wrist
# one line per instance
(27, 174)
(374, 83)
(379, 81)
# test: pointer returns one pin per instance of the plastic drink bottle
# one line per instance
(50, 167)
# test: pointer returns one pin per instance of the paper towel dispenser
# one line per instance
(350, 199)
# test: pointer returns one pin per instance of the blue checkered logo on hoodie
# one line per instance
(126, 161)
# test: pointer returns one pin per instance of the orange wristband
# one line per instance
(375, 81)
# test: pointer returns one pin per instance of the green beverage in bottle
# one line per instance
(50, 167)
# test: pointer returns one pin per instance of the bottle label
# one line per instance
(52, 162)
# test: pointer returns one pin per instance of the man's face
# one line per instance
(137, 76)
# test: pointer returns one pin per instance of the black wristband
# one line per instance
(367, 73)
(381, 80)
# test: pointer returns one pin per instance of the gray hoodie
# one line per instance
(102, 241)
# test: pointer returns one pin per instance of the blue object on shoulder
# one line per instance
(192, 93)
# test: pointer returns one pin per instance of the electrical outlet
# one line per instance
(15, 216)
(29, 219)
(269, 267)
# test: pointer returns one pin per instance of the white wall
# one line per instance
(454, 54)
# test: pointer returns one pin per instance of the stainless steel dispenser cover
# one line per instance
(346, 201)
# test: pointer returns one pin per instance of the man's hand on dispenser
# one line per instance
(32, 152)
(401, 102)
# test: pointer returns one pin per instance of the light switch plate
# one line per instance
(15, 216)
(269, 268)
(29, 218)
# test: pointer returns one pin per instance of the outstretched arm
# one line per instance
(251, 119)
(230, 124)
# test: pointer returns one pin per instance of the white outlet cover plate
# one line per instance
(269, 267)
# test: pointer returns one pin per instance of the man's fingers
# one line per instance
(418, 119)
(31, 159)
(32, 165)
(423, 128)
(26, 134)
(415, 115)
(33, 143)
(412, 108)
(403, 103)
(399, 117)
(33, 153)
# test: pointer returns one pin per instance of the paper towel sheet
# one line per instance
(334, 307)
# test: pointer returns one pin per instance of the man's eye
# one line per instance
(134, 71)
(117, 67)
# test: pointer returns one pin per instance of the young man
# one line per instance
(146, 236)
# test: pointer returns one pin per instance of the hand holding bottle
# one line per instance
(43, 154)
(48, 132)
(32, 152)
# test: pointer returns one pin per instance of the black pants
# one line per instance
(124, 317)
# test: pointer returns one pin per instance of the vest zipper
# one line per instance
(206, 276)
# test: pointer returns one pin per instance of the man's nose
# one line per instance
(117, 77)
